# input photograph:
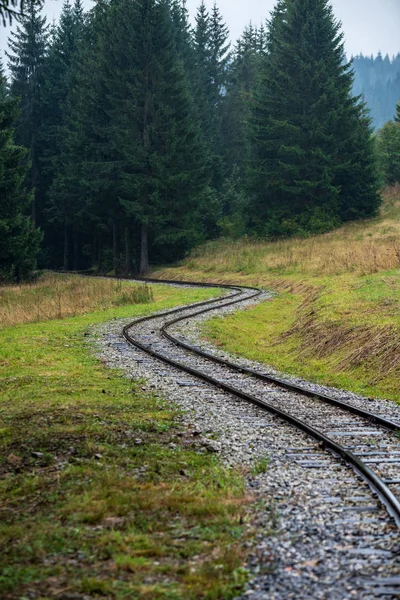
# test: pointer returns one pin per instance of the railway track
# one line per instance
(345, 432)
(254, 385)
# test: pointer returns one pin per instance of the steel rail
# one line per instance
(292, 387)
(376, 483)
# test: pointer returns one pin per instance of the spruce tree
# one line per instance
(90, 180)
(56, 74)
(19, 240)
(313, 161)
(183, 37)
(219, 56)
(212, 59)
(218, 68)
(153, 130)
(388, 148)
(203, 83)
(98, 147)
(243, 76)
(27, 52)
(62, 209)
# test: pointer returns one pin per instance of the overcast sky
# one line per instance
(369, 25)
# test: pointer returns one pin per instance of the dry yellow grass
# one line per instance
(363, 247)
(337, 319)
(56, 296)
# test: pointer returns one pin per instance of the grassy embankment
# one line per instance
(85, 509)
(336, 319)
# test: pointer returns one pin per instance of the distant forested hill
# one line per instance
(378, 80)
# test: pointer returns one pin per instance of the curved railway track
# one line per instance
(372, 447)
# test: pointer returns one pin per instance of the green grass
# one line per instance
(260, 467)
(345, 334)
(336, 319)
(84, 509)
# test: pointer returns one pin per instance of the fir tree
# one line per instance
(313, 162)
(219, 56)
(203, 83)
(218, 69)
(90, 180)
(19, 241)
(153, 128)
(388, 147)
(183, 37)
(243, 75)
(27, 52)
(98, 170)
(57, 87)
(212, 59)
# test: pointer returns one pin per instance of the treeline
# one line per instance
(377, 79)
(145, 136)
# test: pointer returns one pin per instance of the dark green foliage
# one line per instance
(219, 57)
(203, 81)
(28, 47)
(146, 136)
(156, 140)
(183, 38)
(92, 171)
(357, 168)
(211, 44)
(19, 240)
(243, 75)
(56, 83)
(313, 163)
(62, 205)
(388, 147)
(234, 205)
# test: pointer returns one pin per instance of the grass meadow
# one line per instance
(336, 318)
(85, 509)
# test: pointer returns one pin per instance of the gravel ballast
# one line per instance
(319, 531)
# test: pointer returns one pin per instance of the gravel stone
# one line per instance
(318, 530)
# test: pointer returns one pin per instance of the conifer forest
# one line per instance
(130, 135)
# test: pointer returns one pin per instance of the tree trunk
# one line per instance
(128, 251)
(66, 246)
(99, 253)
(144, 245)
(115, 249)
(76, 249)
(94, 251)
(144, 251)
